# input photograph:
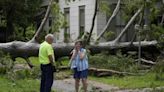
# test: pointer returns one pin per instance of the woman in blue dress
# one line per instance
(79, 63)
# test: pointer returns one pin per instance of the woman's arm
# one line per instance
(82, 54)
(72, 57)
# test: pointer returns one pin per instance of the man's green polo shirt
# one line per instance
(44, 51)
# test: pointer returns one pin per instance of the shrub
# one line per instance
(6, 63)
(117, 62)
(159, 69)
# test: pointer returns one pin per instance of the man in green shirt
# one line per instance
(46, 59)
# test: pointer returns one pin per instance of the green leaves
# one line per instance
(104, 7)
(118, 62)
(57, 17)
(18, 15)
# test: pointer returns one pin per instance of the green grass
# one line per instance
(34, 60)
(25, 85)
(147, 80)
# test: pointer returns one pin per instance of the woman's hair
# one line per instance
(78, 41)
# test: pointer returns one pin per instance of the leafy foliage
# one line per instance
(18, 15)
(109, 35)
(158, 34)
(159, 69)
(5, 63)
(119, 62)
(58, 18)
(104, 7)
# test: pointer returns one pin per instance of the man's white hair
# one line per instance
(49, 35)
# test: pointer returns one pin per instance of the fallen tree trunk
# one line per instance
(26, 49)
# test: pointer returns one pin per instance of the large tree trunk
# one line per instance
(26, 49)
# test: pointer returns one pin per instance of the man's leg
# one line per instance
(49, 79)
(42, 85)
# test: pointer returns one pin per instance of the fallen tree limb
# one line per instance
(146, 61)
(107, 72)
(35, 37)
(128, 25)
(115, 12)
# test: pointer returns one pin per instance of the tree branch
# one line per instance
(29, 62)
(34, 39)
(146, 61)
(128, 25)
(162, 21)
(115, 12)
(93, 22)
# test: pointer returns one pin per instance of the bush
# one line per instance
(6, 63)
(6, 68)
(117, 62)
(27, 73)
(159, 69)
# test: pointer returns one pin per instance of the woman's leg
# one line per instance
(77, 84)
(84, 81)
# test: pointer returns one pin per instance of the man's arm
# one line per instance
(50, 54)
(50, 59)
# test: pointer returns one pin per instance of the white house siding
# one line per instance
(100, 21)
(74, 16)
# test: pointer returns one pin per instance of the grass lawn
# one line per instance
(25, 85)
(34, 60)
(147, 80)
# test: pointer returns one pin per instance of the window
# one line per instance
(81, 20)
(67, 27)
(50, 21)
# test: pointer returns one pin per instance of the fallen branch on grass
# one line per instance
(146, 61)
(107, 72)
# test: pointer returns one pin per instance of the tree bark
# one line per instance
(162, 21)
(26, 49)
(93, 22)
(115, 12)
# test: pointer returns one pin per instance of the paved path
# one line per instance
(67, 85)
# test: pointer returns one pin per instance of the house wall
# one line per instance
(74, 16)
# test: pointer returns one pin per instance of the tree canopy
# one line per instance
(18, 15)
